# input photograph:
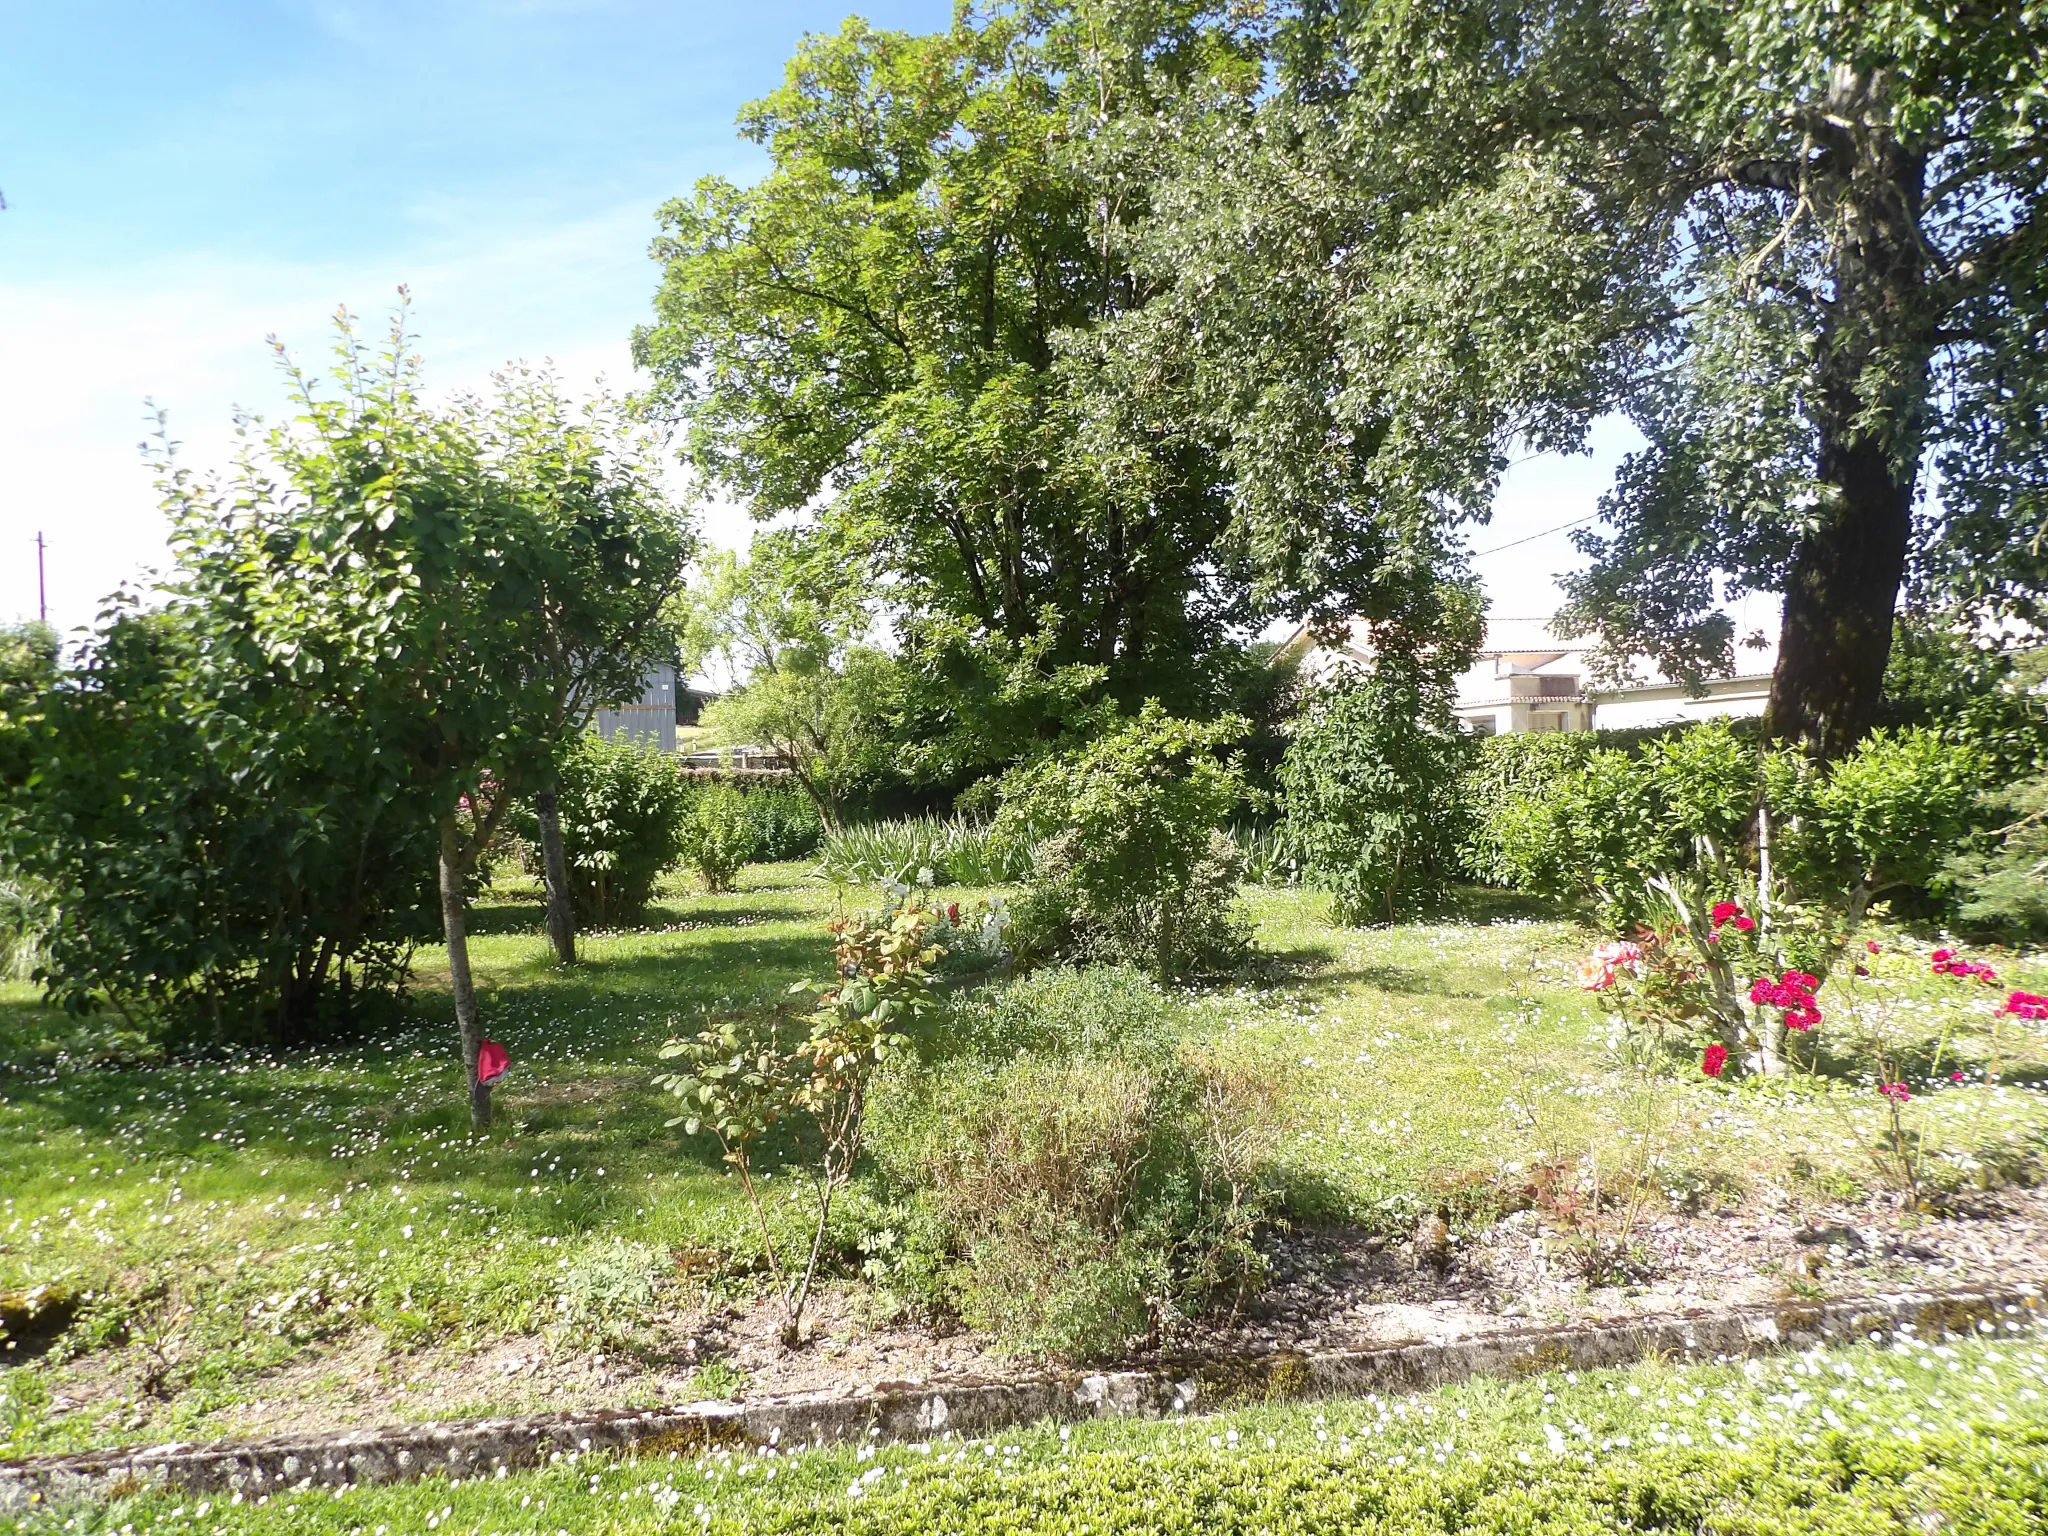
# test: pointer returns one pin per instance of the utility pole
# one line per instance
(42, 589)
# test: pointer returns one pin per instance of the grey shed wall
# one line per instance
(649, 719)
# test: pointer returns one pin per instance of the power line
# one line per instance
(1479, 554)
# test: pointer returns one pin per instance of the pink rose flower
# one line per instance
(491, 1061)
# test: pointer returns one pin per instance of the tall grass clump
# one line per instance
(1092, 1179)
(24, 925)
(955, 851)
(1269, 859)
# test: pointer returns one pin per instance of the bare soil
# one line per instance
(1330, 1288)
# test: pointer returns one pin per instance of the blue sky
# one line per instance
(183, 180)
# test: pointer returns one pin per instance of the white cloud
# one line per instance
(82, 356)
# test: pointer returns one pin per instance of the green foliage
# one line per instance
(1124, 831)
(624, 811)
(1941, 676)
(933, 249)
(1370, 781)
(221, 845)
(607, 1295)
(1888, 815)
(25, 921)
(382, 617)
(718, 835)
(1510, 779)
(1602, 822)
(922, 849)
(1605, 828)
(1068, 1012)
(740, 1078)
(1100, 1181)
(2002, 887)
(786, 824)
(1799, 247)
(819, 715)
(1268, 857)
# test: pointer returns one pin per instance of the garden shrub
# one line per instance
(624, 811)
(1605, 828)
(1887, 816)
(234, 859)
(786, 822)
(1371, 780)
(1509, 779)
(718, 837)
(1883, 820)
(1095, 1178)
(1054, 918)
(1129, 860)
(2001, 887)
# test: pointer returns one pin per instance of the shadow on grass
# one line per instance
(1488, 904)
(592, 1032)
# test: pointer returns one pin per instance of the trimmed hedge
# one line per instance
(1923, 1436)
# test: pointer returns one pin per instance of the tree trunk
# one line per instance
(1837, 633)
(1868, 406)
(561, 916)
(454, 924)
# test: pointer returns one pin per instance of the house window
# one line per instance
(1481, 725)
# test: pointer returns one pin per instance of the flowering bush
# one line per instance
(1730, 912)
(1792, 994)
(1947, 963)
(1128, 856)
(1599, 971)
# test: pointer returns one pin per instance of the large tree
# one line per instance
(890, 333)
(1800, 244)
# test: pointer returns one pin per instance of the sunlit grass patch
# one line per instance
(220, 1217)
(229, 1227)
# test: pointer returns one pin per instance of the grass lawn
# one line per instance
(231, 1229)
(1914, 1435)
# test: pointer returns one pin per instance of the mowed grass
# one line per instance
(225, 1219)
(222, 1217)
(1444, 1065)
(1913, 1434)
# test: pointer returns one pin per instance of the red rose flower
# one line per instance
(1896, 1092)
(1715, 1058)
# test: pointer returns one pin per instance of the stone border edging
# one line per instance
(495, 1446)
